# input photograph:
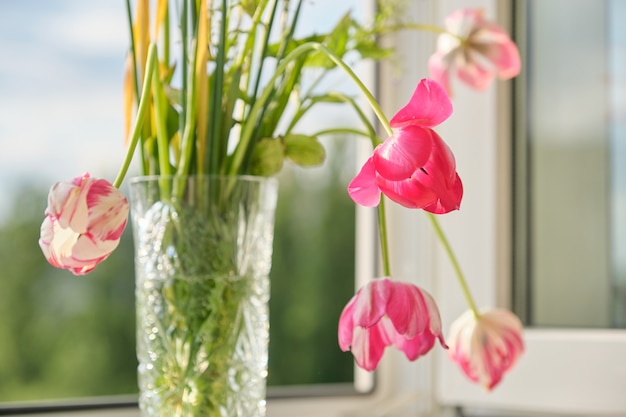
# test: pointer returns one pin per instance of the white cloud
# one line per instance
(61, 74)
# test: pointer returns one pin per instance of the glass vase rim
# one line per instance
(138, 179)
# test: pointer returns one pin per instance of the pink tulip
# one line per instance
(476, 50)
(84, 222)
(486, 347)
(384, 313)
(413, 167)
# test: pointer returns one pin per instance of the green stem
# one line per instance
(364, 90)
(144, 100)
(160, 112)
(260, 103)
(184, 64)
(132, 47)
(382, 230)
(215, 100)
(426, 28)
(455, 264)
(133, 57)
(341, 131)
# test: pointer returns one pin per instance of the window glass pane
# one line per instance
(61, 98)
(571, 197)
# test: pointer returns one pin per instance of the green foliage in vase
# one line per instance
(202, 273)
(233, 83)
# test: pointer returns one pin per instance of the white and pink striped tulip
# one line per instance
(84, 222)
(475, 50)
(487, 346)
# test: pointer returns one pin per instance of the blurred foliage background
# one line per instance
(63, 336)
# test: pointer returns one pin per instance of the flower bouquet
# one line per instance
(213, 110)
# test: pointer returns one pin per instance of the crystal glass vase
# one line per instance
(203, 247)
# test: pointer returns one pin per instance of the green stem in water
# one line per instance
(455, 264)
(144, 100)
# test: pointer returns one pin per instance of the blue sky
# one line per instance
(61, 71)
(61, 75)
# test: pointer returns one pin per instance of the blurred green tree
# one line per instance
(63, 336)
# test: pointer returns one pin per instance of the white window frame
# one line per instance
(564, 371)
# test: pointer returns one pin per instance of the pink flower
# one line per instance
(84, 222)
(486, 347)
(413, 167)
(475, 49)
(384, 313)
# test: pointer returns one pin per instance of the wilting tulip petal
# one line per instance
(413, 167)
(396, 158)
(84, 222)
(363, 188)
(385, 313)
(474, 49)
(486, 347)
(429, 106)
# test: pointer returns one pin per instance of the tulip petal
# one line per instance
(363, 189)
(371, 303)
(407, 310)
(108, 210)
(368, 346)
(407, 150)
(346, 325)
(408, 193)
(66, 202)
(475, 75)
(429, 106)
(439, 70)
(499, 50)
(415, 347)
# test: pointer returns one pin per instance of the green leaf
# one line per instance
(267, 157)
(336, 41)
(304, 150)
(249, 6)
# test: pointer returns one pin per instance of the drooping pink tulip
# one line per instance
(84, 222)
(413, 167)
(475, 49)
(487, 346)
(385, 313)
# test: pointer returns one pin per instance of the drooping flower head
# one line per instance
(84, 222)
(385, 313)
(475, 49)
(487, 346)
(413, 167)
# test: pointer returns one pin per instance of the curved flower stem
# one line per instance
(427, 28)
(340, 131)
(382, 231)
(256, 110)
(455, 263)
(141, 113)
(295, 54)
